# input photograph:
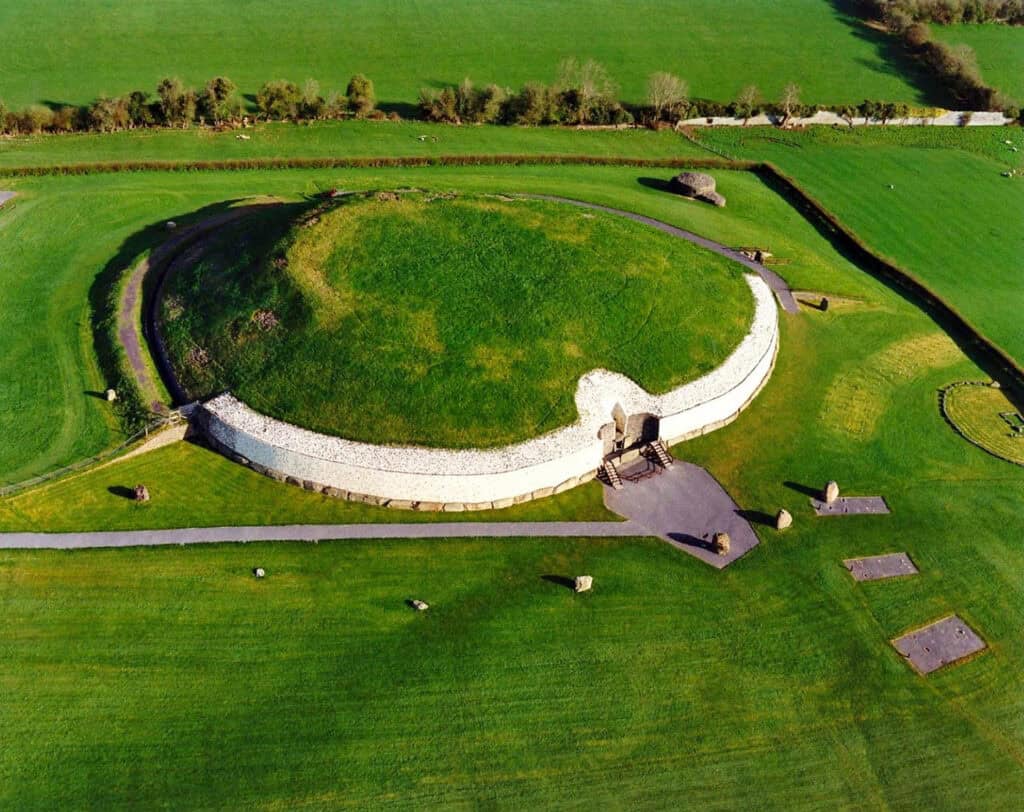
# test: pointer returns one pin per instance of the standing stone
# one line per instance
(259, 572)
(721, 543)
(783, 519)
(420, 606)
(141, 493)
(583, 583)
(111, 395)
(831, 492)
(824, 304)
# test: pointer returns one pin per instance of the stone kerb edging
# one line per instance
(434, 479)
(949, 118)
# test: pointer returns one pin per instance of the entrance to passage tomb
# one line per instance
(627, 432)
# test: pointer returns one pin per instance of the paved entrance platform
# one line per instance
(851, 506)
(941, 643)
(876, 567)
(685, 506)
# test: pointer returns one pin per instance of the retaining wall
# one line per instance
(436, 479)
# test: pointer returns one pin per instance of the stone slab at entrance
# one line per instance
(685, 506)
(941, 643)
(851, 506)
(877, 567)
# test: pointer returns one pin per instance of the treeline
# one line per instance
(901, 13)
(174, 104)
(955, 67)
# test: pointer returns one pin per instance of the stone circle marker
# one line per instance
(721, 543)
(420, 606)
(877, 567)
(111, 395)
(582, 583)
(783, 519)
(831, 492)
(259, 572)
(141, 493)
(940, 643)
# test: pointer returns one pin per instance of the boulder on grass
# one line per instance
(420, 606)
(111, 395)
(831, 492)
(259, 572)
(693, 184)
(583, 583)
(721, 543)
(141, 493)
(783, 519)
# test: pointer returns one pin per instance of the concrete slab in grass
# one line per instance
(940, 643)
(876, 567)
(5, 196)
(851, 506)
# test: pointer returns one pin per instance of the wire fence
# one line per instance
(10, 490)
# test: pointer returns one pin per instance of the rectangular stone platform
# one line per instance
(877, 567)
(851, 506)
(941, 643)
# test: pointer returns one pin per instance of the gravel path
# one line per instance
(128, 327)
(319, 532)
(773, 280)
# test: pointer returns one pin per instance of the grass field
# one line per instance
(951, 219)
(141, 675)
(55, 52)
(63, 232)
(454, 323)
(1000, 52)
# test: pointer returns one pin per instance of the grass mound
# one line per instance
(444, 321)
(987, 418)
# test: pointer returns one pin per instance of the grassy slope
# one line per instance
(1000, 52)
(59, 53)
(71, 227)
(462, 323)
(951, 219)
(143, 675)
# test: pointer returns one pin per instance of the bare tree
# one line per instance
(790, 100)
(747, 102)
(666, 93)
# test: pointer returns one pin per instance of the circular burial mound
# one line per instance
(986, 417)
(443, 321)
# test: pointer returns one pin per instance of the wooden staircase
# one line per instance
(610, 475)
(660, 454)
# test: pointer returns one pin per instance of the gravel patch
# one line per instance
(877, 567)
(851, 506)
(941, 643)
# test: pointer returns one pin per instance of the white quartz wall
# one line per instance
(553, 461)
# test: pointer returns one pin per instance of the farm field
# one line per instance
(669, 679)
(61, 53)
(951, 218)
(333, 139)
(1000, 52)
(64, 232)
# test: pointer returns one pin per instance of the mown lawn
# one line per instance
(65, 53)
(951, 218)
(1000, 52)
(63, 232)
(462, 322)
(135, 676)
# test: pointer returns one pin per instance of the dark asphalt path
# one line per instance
(318, 532)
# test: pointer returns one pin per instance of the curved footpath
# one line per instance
(773, 280)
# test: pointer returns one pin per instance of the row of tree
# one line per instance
(901, 13)
(176, 105)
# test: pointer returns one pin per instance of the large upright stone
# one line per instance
(583, 583)
(141, 493)
(783, 519)
(831, 492)
(721, 543)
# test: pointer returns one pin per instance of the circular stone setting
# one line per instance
(443, 321)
